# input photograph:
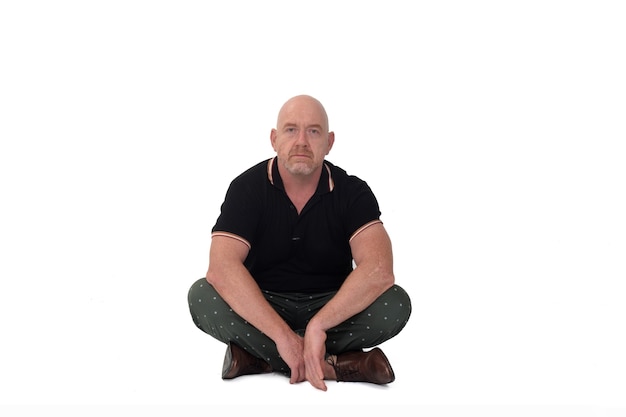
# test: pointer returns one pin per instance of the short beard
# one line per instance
(299, 168)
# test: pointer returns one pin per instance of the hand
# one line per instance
(292, 353)
(315, 357)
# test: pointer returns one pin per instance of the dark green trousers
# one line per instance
(379, 322)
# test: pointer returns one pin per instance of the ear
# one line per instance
(331, 141)
(273, 138)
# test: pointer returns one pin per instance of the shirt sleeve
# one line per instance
(239, 213)
(363, 208)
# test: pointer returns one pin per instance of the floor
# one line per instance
(134, 345)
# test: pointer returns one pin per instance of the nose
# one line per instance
(302, 138)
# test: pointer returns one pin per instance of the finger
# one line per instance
(315, 376)
(298, 374)
(295, 376)
(314, 371)
(319, 384)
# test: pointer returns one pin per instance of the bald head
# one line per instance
(303, 104)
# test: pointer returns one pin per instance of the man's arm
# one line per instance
(230, 278)
(373, 275)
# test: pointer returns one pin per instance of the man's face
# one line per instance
(301, 139)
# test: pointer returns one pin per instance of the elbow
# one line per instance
(388, 279)
(379, 274)
(213, 277)
(384, 277)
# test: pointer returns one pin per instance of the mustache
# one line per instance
(300, 151)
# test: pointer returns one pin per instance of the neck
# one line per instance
(299, 188)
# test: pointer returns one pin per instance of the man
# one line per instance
(300, 278)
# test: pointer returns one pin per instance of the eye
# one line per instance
(314, 131)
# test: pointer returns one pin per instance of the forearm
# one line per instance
(360, 289)
(373, 275)
(239, 290)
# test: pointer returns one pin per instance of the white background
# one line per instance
(492, 132)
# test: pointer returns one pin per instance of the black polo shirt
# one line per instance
(291, 252)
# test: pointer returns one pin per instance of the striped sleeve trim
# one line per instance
(233, 236)
(365, 226)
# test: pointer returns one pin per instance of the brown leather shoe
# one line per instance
(358, 366)
(238, 362)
